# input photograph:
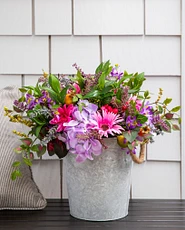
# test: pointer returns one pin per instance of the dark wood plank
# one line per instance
(143, 214)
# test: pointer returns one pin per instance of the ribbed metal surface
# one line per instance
(99, 190)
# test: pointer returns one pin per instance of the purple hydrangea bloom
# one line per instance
(87, 106)
(78, 135)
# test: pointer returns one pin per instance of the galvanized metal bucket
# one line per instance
(99, 190)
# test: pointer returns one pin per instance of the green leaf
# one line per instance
(169, 125)
(35, 148)
(39, 122)
(27, 161)
(52, 94)
(18, 149)
(29, 87)
(22, 90)
(17, 110)
(133, 91)
(130, 135)
(75, 99)
(79, 95)
(125, 73)
(140, 97)
(16, 164)
(54, 83)
(80, 107)
(63, 94)
(55, 106)
(106, 66)
(106, 100)
(16, 174)
(146, 93)
(119, 94)
(142, 118)
(106, 89)
(41, 150)
(36, 130)
(37, 91)
(175, 127)
(80, 80)
(26, 141)
(179, 120)
(99, 68)
(101, 81)
(125, 77)
(93, 93)
(160, 109)
(176, 109)
(167, 101)
(22, 99)
(108, 71)
(130, 146)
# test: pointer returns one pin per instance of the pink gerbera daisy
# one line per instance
(107, 123)
(63, 115)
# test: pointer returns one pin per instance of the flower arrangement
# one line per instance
(75, 113)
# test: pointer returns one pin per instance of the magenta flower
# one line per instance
(107, 123)
(138, 102)
(77, 88)
(64, 114)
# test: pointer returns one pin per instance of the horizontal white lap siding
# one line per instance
(156, 180)
(53, 17)
(108, 17)
(152, 55)
(23, 54)
(163, 17)
(67, 50)
(166, 147)
(16, 17)
(7, 80)
(144, 36)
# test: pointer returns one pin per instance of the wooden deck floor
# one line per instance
(143, 215)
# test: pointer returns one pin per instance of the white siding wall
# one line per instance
(140, 35)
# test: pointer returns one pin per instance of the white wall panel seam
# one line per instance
(182, 99)
(33, 17)
(159, 160)
(72, 15)
(22, 80)
(49, 52)
(101, 51)
(144, 17)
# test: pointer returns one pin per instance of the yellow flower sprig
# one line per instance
(17, 118)
(19, 133)
(159, 95)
